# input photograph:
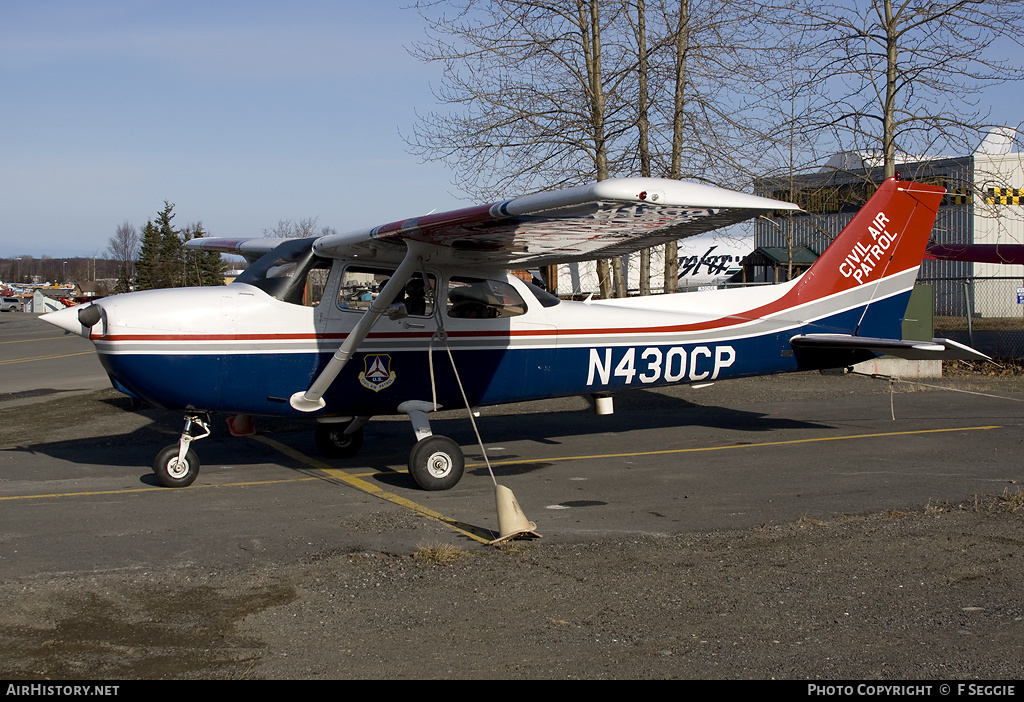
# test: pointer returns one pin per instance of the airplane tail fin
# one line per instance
(886, 238)
(871, 267)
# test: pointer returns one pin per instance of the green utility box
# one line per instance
(919, 321)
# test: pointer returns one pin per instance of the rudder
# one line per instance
(887, 237)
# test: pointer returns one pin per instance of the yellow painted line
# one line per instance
(44, 358)
(41, 338)
(730, 446)
(476, 533)
(152, 489)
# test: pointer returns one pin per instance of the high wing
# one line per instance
(602, 220)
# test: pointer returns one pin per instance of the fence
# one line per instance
(984, 313)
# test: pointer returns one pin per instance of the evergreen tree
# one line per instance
(147, 270)
(124, 280)
(202, 267)
(172, 252)
(164, 262)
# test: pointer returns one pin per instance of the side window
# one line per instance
(360, 285)
(316, 283)
(476, 298)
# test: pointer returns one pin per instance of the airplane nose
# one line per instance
(76, 320)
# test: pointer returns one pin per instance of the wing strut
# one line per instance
(312, 399)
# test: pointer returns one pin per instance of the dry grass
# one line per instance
(1011, 501)
(1003, 367)
(439, 553)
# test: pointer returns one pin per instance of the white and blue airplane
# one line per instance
(426, 312)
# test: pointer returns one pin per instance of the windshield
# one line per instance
(284, 271)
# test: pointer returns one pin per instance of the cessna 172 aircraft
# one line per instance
(347, 326)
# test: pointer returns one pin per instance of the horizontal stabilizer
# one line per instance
(836, 350)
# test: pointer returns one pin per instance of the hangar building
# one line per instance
(984, 205)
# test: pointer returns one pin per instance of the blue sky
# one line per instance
(242, 114)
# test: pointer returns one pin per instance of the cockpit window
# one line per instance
(360, 285)
(476, 298)
(291, 273)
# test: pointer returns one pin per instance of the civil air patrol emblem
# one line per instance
(377, 374)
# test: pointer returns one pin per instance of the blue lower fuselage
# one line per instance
(493, 369)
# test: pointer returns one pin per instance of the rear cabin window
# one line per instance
(477, 298)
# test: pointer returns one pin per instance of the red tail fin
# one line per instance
(887, 236)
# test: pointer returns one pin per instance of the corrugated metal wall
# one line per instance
(833, 198)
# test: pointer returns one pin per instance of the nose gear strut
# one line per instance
(177, 465)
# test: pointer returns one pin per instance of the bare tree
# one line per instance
(643, 121)
(550, 94)
(531, 87)
(287, 229)
(528, 86)
(708, 60)
(123, 247)
(906, 74)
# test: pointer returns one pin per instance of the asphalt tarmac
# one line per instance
(38, 360)
(805, 526)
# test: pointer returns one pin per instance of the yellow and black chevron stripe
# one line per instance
(1005, 196)
(961, 196)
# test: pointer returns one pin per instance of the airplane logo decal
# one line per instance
(377, 374)
(715, 264)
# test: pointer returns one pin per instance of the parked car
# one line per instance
(10, 304)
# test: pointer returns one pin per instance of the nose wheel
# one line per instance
(340, 439)
(174, 471)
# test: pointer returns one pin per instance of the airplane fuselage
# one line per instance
(239, 349)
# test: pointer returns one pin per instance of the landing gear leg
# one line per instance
(177, 465)
(435, 462)
(340, 439)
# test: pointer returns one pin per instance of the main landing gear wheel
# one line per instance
(333, 442)
(436, 463)
(171, 472)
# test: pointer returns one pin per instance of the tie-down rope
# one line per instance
(441, 335)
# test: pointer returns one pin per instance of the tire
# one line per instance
(436, 463)
(333, 442)
(169, 473)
